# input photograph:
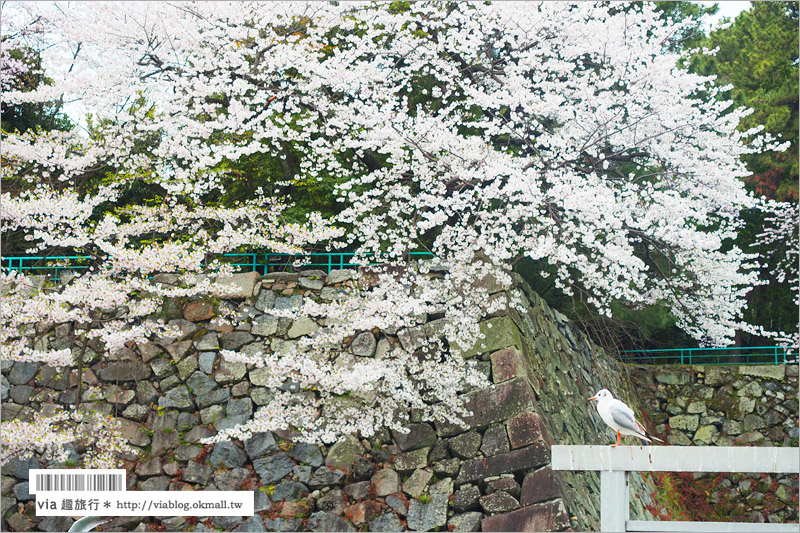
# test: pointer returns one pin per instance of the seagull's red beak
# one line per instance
(592, 399)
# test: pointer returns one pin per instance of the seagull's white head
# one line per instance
(602, 394)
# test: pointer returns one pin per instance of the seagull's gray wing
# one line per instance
(624, 418)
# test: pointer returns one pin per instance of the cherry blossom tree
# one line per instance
(484, 133)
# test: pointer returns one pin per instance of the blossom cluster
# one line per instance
(339, 393)
(781, 237)
(49, 435)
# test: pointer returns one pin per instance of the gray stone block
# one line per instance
(266, 300)
(156, 483)
(427, 516)
(145, 392)
(685, 422)
(362, 470)
(125, 371)
(550, 516)
(386, 522)
(229, 372)
(227, 455)
(209, 341)
(21, 394)
(398, 504)
(260, 444)
(273, 467)
(363, 344)
(22, 372)
(199, 384)
(196, 473)
(149, 468)
(22, 491)
(386, 482)
(325, 476)
(466, 499)
(214, 397)
(177, 350)
(226, 523)
(443, 486)
(230, 422)
(306, 453)
(206, 361)
(418, 436)
(357, 491)
(283, 524)
(283, 303)
(495, 441)
(322, 521)
(465, 522)
(235, 340)
(447, 467)
(494, 405)
(416, 483)
(344, 453)
(310, 283)
(498, 502)
(302, 326)
(242, 285)
(252, 524)
(339, 276)
(288, 491)
(302, 473)
(242, 407)
(406, 462)
(466, 445)
(232, 479)
(332, 502)
(187, 452)
(178, 398)
(265, 325)
(56, 523)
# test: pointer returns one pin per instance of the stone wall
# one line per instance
(491, 476)
(735, 405)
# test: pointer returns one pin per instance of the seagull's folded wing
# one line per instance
(624, 420)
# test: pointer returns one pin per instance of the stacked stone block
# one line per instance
(730, 405)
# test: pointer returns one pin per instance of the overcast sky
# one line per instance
(726, 9)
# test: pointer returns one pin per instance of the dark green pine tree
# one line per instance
(758, 56)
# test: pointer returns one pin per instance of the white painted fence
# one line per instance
(614, 464)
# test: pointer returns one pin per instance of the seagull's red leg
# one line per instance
(619, 443)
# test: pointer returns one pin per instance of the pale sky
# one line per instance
(726, 9)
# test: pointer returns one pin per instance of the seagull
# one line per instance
(620, 417)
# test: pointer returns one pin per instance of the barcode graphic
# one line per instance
(85, 481)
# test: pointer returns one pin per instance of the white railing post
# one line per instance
(614, 504)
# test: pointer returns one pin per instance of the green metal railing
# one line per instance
(274, 262)
(754, 355)
(52, 265)
(259, 262)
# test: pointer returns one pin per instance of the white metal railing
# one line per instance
(614, 464)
